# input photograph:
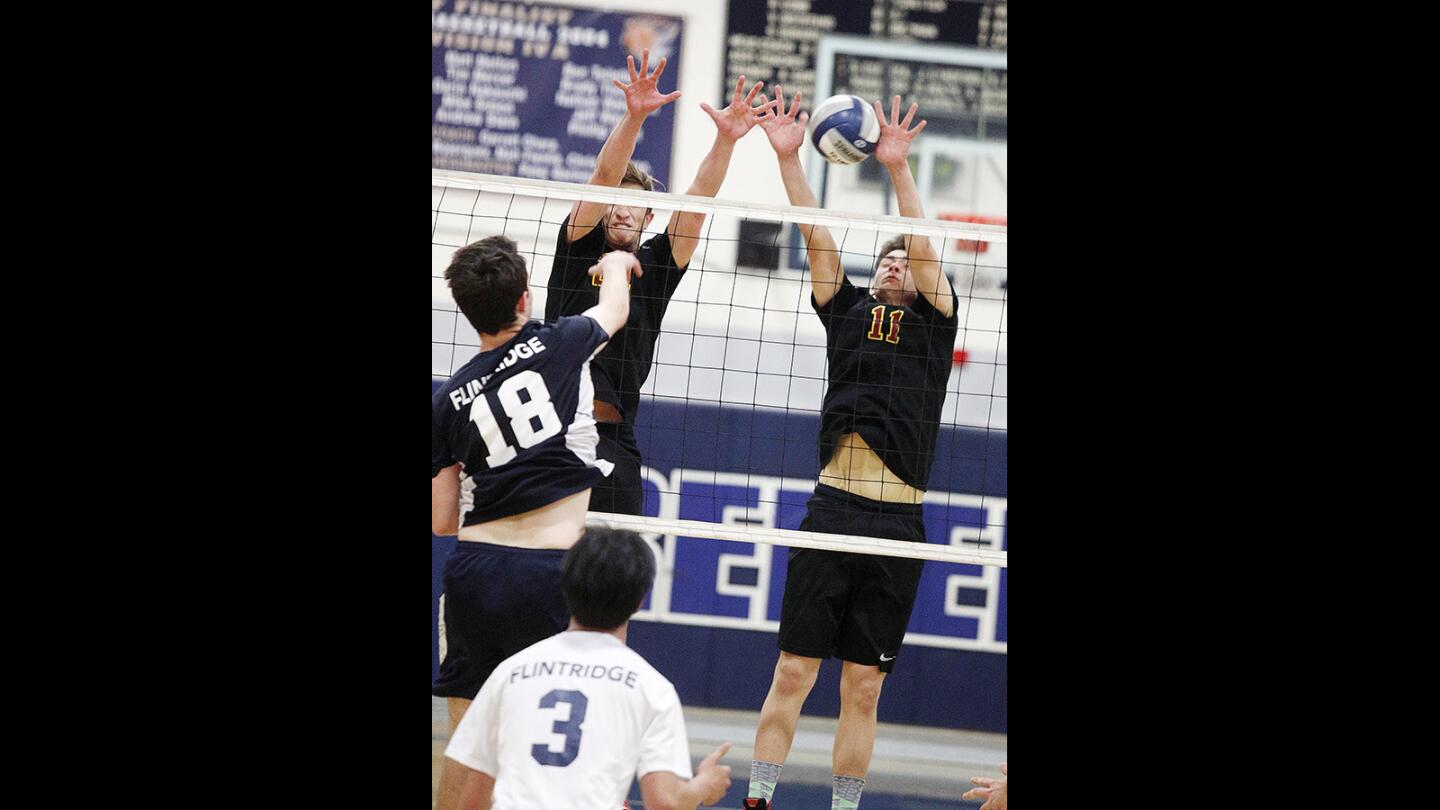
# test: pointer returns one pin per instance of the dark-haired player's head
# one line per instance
(605, 577)
(490, 285)
(625, 223)
(893, 283)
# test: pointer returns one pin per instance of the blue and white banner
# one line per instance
(524, 89)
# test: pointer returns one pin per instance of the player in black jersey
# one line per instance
(513, 428)
(889, 352)
(621, 368)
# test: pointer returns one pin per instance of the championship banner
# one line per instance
(523, 89)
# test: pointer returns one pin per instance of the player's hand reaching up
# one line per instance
(619, 261)
(736, 119)
(894, 146)
(642, 96)
(714, 777)
(785, 131)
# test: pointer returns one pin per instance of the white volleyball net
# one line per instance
(729, 415)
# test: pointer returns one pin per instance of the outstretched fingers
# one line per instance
(739, 89)
(780, 103)
(750, 97)
(644, 61)
(630, 63)
(660, 68)
(910, 116)
(895, 120)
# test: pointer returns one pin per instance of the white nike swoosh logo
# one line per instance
(883, 658)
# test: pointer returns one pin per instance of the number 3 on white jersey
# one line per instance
(521, 415)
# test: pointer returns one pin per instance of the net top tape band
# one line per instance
(555, 189)
(799, 539)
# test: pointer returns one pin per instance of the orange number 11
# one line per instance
(877, 321)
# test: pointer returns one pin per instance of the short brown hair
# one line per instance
(487, 279)
(898, 243)
(635, 174)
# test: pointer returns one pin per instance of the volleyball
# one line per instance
(844, 129)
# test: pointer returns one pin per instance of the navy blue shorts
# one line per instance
(852, 606)
(498, 601)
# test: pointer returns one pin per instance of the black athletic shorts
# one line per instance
(498, 601)
(852, 606)
(620, 492)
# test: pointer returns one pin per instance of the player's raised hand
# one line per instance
(785, 131)
(619, 261)
(736, 119)
(716, 776)
(895, 136)
(642, 95)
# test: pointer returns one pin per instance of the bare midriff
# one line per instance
(856, 469)
(556, 525)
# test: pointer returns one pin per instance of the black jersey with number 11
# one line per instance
(888, 369)
(520, 421)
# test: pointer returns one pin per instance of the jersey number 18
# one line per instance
(521, 413)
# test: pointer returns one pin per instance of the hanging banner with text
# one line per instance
(524, 90)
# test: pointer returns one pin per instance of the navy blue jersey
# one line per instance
(520, 421)
(888, 369)
(621, 367)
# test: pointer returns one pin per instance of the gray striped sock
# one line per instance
(845, 792)
(763, 776)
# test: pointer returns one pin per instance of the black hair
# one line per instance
(487, 279)
(605, 576)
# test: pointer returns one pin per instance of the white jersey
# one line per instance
(569, 722)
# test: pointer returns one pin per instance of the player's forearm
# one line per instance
(614, 299)
(792, 174)
(799, 193)
(713, 168)
(908, 197)
(924, 263)
(906, 192)
(819, 245)
(610, 164)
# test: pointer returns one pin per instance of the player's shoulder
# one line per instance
(655, 250)
(923, 306)
(459, 378)
(569, 327)
(849, 296)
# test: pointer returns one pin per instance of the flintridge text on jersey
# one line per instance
(566, 669)
(466, 394)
